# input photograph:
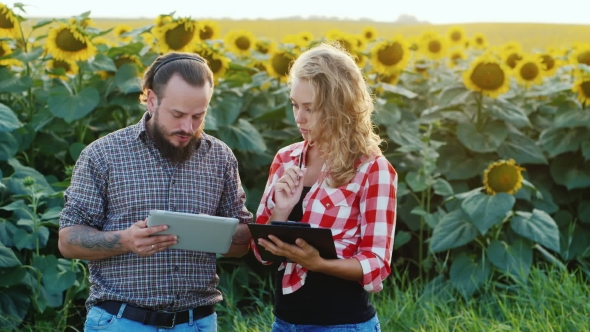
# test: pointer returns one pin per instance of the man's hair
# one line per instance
(344, 130)
(191, 67)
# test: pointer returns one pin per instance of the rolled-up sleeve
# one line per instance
(378, 214)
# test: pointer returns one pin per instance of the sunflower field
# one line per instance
(491, 144)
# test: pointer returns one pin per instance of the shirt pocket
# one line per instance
(332, 198)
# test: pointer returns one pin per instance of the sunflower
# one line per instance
(581, 55)
(121, 29)
(162, 20)
(5, 50)
(259, 65)
(9, 26)
(218, 63)
(69, 42)
(456, 36)
(98, 41)
(347, 41)
(279, 63)
(582, 88)
(511, 46)
(455, 57)
(421, 66)
(390, 55)
(54, 68)
(479, 41)
(488, 76)
(511, 58)
(360, 59)
(264, 45)
(240, 42)
(148, 39)
(389, 78)
(85, 22)
(306, 36)
(529, 70)
(369, 34)
(433, 46)
(179, 35)
(550, 63)
(503, 176)
(208, 30)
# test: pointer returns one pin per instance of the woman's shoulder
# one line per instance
(291, 150)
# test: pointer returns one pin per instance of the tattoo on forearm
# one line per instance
(92, 239)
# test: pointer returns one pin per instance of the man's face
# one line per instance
(178, 118)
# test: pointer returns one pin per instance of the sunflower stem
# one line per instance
(479, 119)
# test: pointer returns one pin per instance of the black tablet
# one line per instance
(319, 238)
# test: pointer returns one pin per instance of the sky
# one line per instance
(433, 11)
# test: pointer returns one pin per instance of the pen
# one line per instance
(300, 162)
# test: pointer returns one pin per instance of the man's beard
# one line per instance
(168, 150)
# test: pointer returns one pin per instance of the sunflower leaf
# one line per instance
(537, 226)
(488, 139)
(586, 149)
(8, 146)
(73, 107)
(8, 120)
(571, 171)
(243, 136)
(572, 118)
(33, 55)
(507, 111)
(453, 230)
(10, 83)
(486, 211)
(513, 259)
(226, 108)
(127, 78)
(522, 149)
(559, 140)
(467, 274)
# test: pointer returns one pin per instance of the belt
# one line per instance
(159, 318)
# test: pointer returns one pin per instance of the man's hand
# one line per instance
(138, 239)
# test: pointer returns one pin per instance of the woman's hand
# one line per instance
(301, 252)
(288, 190)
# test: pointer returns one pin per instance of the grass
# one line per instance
(551, 300)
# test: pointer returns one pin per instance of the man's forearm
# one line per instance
(240, 243)
(84, 242)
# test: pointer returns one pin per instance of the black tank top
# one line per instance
(323, 299)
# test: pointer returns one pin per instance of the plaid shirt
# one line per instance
(117, 180)
(361, 215)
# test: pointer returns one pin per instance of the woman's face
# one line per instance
(303, 111)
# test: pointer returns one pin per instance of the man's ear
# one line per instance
(152, 101)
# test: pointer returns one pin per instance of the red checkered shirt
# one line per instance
(361, 215)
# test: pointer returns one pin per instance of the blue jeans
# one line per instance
(100, 320)
(372, 325)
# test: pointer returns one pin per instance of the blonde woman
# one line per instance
(335, 178)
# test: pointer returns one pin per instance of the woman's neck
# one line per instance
(313, 162)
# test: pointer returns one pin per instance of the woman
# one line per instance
(335, 178)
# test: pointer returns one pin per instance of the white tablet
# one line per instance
(200, 232)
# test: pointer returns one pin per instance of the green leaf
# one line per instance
(398, 90)
(8, 146)
(559, 140)
(572, 118)
(127, 78)
(14, 304)
(7, 231)
(210, 122)
(571, 171)
(574, 242)
(15, 181)
(405, 135)
(50, 143)
(522, 149)
(452, 231)
(243, 136)
(513, 259)
(33, 55)
(586, 150)
(7, 257)
(51, 213)
(418, 181)
(538, 227)
(401, 238)
(57, 276)
(486, 140)
(442, 187)
(12, 276)
(507, 111)
(8, 120)
(468, 274)
(584, 211)
(75, 150)
(13, 84)
(226, 109)
(453, 95)
(71, 108)
(101, 62)
(25, 240)
(486, 211)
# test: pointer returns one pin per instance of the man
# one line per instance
(163, 162)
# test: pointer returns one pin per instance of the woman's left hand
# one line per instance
(301, 252)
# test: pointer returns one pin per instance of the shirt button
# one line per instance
(172, 208)
(176, 268)
(328, 205)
